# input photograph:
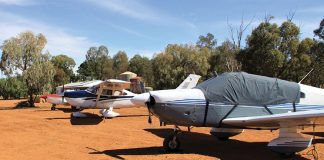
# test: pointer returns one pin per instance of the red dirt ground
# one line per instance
(39, 133)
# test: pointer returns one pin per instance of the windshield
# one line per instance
(92, 89)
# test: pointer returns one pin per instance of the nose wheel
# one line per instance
(172, 143)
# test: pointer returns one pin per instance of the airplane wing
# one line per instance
(190, 82)
(300, 118)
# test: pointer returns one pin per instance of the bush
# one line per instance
(12, 88)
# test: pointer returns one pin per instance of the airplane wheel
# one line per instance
(171, 145)
(53, 107)
(73, 108)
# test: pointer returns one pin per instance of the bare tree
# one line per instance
(268, 18)
(237, 33)
(291, 16)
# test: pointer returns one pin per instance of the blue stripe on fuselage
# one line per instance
(78, 94)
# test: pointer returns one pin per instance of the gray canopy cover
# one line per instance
(248, 89)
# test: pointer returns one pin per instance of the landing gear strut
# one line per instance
(53, 107)
(171, 143)
(74, 109)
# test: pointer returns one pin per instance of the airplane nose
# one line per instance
(141, 99)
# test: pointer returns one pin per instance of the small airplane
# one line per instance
(57, 99)
(234, 101)
(111, 94)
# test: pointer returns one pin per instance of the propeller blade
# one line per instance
(63, 93)
(149, 104)
(144, 99)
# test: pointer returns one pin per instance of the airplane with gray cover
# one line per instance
(234, 101)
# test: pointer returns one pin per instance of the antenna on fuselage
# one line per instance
(306, 75)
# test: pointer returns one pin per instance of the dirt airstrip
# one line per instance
(38, 133)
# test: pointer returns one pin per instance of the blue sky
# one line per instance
(143, 26)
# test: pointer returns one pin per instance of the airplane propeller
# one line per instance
(63, 93)
(149, 104)
(145, 99)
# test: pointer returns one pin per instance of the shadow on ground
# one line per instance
(20, 105)
(202, 144)
(91, 119)
(318, 134)
(65, 110)
(138, 115)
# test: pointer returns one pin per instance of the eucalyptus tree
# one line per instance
(64, 69)
(173, 65)
(94, 67)
(23, 56)
(142, 66)
(120, 62)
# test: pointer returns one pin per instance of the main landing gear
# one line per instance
(109, 113)
(76, 112)
(53, 108)
(171, 143)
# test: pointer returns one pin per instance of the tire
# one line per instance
(74, 108)
(169, 145)
(53, 107)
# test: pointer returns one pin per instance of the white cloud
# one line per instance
(58, 40)
(138, 10)
(130, 31)
(17, 2)
(317, 9)
(129, 8)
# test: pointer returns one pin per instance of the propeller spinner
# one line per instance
(144, 99)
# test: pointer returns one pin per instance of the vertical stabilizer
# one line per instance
(190, 82)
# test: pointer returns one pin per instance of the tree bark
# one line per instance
(31, 100)
(30, 94)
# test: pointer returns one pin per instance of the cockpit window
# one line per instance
(92, 89)
(302, 95)
(106, 92)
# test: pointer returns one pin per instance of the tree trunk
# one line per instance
(31, 100)
(30, 94)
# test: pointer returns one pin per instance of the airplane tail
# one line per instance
(190, 82)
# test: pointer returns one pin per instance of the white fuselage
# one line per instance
(312, 95)
(56, 99)
(104, 104)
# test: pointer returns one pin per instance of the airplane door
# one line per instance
(197, 115)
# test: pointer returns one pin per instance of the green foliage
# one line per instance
(142, 67)
(277, 52)
(262, 55)
(317, 56)
(63, 69)
(120, 62)
(320, 31)
(12, 88)
(207, 41)
(173, 65)
(223, 59)
(22, 56)
(97, 64)
(40, 75)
